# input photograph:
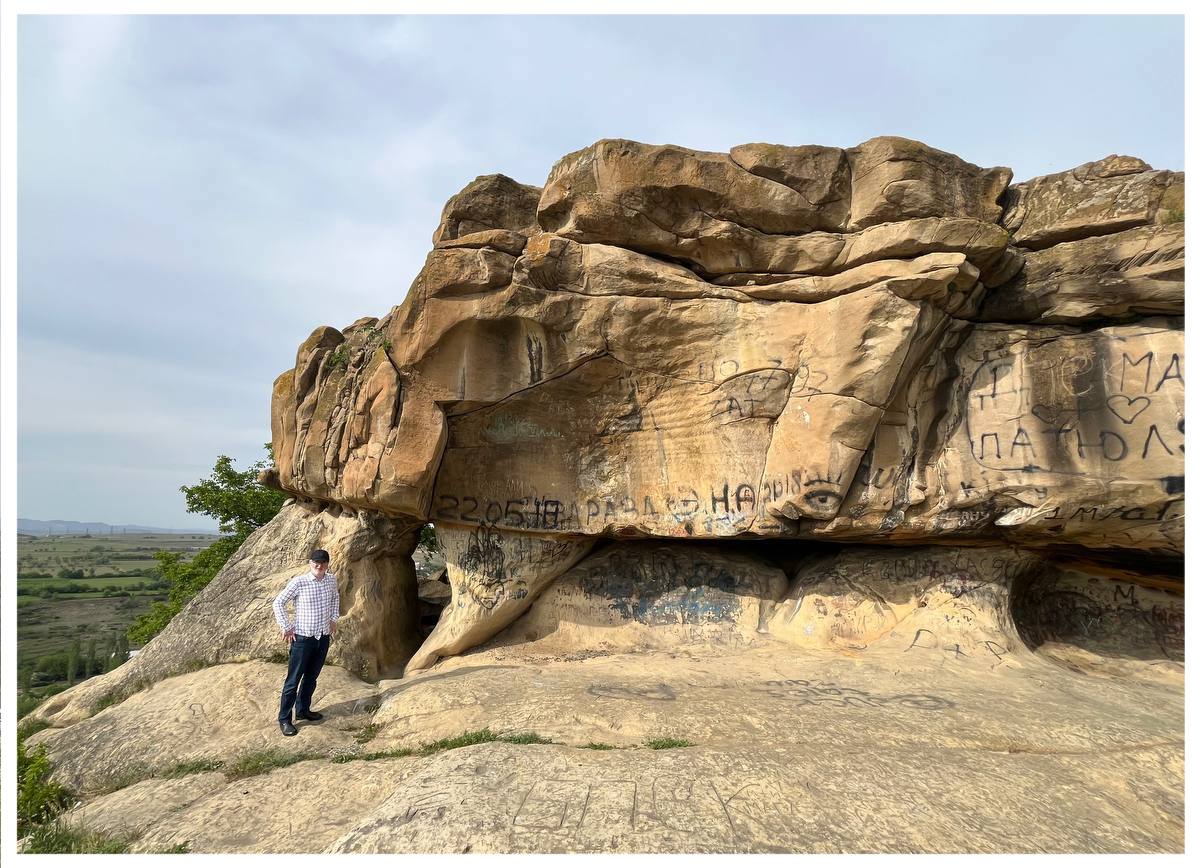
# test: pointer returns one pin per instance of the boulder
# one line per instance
(901, 179)
(488, 203)
(208, 718)
(1099, 198)
(493, 579)
(819, 174)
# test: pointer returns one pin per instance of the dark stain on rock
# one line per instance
(535, 359)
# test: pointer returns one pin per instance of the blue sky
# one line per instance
(196, 194)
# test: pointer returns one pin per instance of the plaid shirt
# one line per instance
(317, 604)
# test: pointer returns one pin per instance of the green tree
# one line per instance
(428, 538)
(242, 505)
(110, 659)
(236, 499)
(91, 665)
(185, 579)
(53, 666)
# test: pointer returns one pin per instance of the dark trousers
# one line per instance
(303, 668)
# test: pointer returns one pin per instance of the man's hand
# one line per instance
(332, 627)
(289, 635)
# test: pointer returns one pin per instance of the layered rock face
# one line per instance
(855, 466)
(880, 344)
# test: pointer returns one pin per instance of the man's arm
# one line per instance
(289, 593)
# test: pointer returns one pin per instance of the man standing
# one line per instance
(317, 608)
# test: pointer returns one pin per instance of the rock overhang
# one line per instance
(665, 342)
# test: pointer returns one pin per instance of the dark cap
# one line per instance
(320, 556)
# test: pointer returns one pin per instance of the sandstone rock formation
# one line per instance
(885, 343)
(783, 430)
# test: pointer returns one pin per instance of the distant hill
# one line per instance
(58, 527)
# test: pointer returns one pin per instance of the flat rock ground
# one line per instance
(792, 750)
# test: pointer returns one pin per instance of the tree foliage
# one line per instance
(236, 499)
(39, 799)
(185, 579)
(242, 505)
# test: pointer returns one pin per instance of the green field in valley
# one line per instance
(77, 594)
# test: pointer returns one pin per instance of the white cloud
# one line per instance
(85, 50)
(403, 38)
(67, 389)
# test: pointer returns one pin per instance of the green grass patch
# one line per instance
(191, 767)
(39, 799)
(525, 738)
(480, 736)
(367, 732)
(398, 752)
(264, 761)
(137, 774)
(598, 745)
(59, 837)
(667, 743)
(27, 728)
(110, 699)
(126, 777)
(466, 739)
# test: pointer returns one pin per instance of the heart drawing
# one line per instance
(1127, 409)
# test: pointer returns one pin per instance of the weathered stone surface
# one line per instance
(939, 601)
(599, 429)
(494, 578)
(139, 809)
(706, 211)
(786, 746)
(1053, 435)
(506, 240)
(1098, 198)
(335, 421)
(667, 190)
(1138, 271)
(650, 595)
(897, 750)
(1103, 626)
(218, 714)
(489, 202)
(900, 179)
(904, 676)
(819, 174)
(463, 270)
(253, 815)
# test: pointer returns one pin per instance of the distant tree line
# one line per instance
(51, 591)
(81, 660)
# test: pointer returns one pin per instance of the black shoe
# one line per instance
(309, 715)
(288, 727)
